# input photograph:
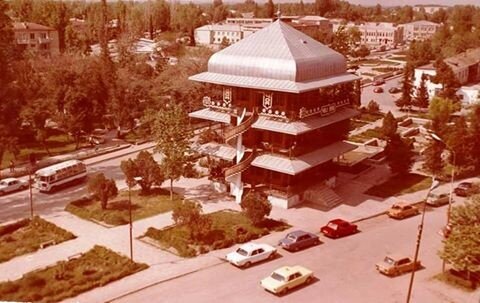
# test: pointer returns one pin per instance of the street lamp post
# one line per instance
(452, 178)
(30, 190)
(135, 180)
(419, 238)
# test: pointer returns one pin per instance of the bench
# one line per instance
(47, 244)
(74, 257)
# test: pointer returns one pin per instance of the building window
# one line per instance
(32, 35)
(43, 35)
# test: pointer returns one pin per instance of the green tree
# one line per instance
(256, 207)
(102, 188)
(172, 134)
(322, 7)
(421, 99)
(9, 106)
(373, 107)
(461, 247)
(420, 53)
(362, 51)
(446, 77)
(389, 125)
(458, 141)
(433, 158)
(341, 41)
(399, 155)
(439, 111)
(405, 101)
(143, 166)
(189, 214)
(474, 134)
(269, 9)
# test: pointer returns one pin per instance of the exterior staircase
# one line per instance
(322, 196)
(235, 131)
(239, 167)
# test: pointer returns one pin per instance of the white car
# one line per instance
(250, 253)
(9, 185)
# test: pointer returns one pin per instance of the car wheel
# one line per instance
(271, 256)
(247, 265)
(309, 280)
(284, 291)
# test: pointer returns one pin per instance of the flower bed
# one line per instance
(26, 236)
(97, 267)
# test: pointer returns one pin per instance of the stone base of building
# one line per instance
(284, 201)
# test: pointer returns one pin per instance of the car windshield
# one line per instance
(242, 252)
(291, 237)
(389, 260)
(332, 225)
(3, 183)
(277, 277)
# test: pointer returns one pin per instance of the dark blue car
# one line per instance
(298, 239)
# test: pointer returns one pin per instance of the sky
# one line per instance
(370, 2)
(414, 2)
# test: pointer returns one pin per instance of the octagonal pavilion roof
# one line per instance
(278, 58)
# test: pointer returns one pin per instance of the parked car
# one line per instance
(378, 90)
(402, 210)
(285, 278)
(378, 82)
(393, 265)
(339, 228)
(394, 90)
(9, 185)
(298, 239)
(438, 199)
(464, 189)
(250, 253)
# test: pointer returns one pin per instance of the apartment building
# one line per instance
(419, 30)
(36, 38)
(465, 66)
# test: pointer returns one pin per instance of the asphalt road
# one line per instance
(344, 271)
(17, 205)
(385, 99)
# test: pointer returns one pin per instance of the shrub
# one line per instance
(256, 207)
(373, 107)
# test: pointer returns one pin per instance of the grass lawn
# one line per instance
(26, 236)
(399, 185)
(386, 69)
(58, 144)
(143, 206)
(356, 124)
(97, 267)
(376, 62)
(370, 117)
(366, 135)
(228, 228)
(399, 58)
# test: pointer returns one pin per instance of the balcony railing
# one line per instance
(240, 167)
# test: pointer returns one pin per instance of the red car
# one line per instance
(339, 228)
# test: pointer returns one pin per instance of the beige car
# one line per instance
(285, 278)
(438, 199)
(394, 265)
(402, 210)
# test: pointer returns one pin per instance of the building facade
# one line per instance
(216, 33)
(429, 9)
(36, 38)
(465, 66)
(419, 30)
(374, 34)
(285, 102)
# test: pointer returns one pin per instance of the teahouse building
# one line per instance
(285, 101)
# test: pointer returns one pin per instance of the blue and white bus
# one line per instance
(59, 175)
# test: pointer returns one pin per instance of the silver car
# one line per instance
(438, 199)
(9, 185)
